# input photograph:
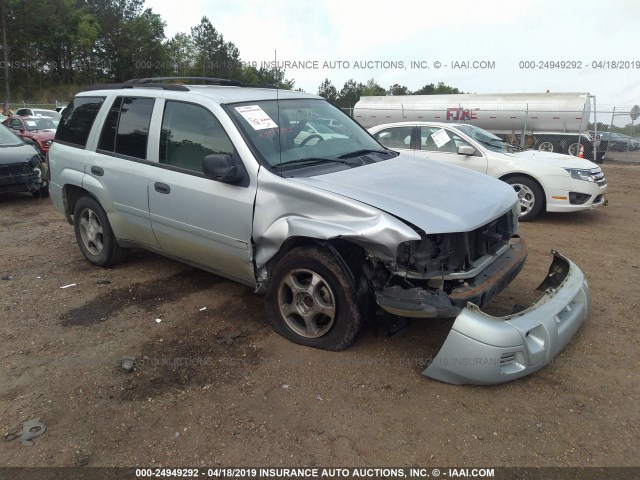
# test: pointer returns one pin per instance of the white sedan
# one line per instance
(315, 131)
(543, 180)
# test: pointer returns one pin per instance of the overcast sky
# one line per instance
(499, 31)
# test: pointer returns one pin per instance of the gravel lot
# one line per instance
(216, 386)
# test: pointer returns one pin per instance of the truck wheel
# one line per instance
(548, 146)
(530, 195)
(311, 301)
(573, 149)
(94, 235)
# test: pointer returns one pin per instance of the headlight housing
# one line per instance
(580, 174)
(48, 142)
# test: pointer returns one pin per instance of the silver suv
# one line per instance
(332, 228)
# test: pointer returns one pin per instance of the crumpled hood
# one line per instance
(556, 159)
(432, 195)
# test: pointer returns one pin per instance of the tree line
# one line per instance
(48, 43)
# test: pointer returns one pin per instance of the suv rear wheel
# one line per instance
(311, 301)
(94, 235)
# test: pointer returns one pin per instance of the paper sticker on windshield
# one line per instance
(31, 123)
(440, 137)
(256, 117)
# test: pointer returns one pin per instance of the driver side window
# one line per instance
(190, 133)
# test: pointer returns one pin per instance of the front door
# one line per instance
(193, 217)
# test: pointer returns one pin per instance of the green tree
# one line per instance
(214, 56)
(396, 89)
(180, 56)
(266, 76)
(440, 89)
(350, 94)
(328, 91)
(371, 88)
(129, 42)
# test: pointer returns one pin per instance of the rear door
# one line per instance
(116, 173)
(193, 217)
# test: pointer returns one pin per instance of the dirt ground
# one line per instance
(216, 386)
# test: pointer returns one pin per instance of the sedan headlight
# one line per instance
(580, 174)
(48, 142)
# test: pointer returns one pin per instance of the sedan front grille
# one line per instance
(598, 176)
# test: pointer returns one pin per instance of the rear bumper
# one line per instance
(485, 350)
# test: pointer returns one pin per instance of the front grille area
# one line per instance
(598, 176)
(15, 169)
(440, 254)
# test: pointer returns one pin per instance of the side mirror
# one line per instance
(220, 167)
(466, 150)
(29, 141)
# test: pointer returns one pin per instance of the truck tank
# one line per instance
(500, 113)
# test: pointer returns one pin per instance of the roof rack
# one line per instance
(116, 86)
(202, 80)
(154, 82)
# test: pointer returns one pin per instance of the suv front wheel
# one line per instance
(94, 235)
(311, 301)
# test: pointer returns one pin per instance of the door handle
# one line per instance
(97, 171)
(162, 188)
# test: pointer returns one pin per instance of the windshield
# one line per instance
(289, 133)
(40, 123)
(7, 137)
(488, 139)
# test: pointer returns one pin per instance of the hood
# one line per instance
(19, 153)
(434, 196)
(555, 159)
(47, 133)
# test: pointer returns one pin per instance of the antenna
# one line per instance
(279, 127)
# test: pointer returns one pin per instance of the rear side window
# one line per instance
(77, 120)
(189, 133)
(126, 129)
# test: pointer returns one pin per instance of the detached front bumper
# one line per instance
(485, 350)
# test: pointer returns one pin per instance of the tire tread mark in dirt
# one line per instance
(147, 296)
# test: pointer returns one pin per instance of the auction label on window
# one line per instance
(440, 137)
(256, 117)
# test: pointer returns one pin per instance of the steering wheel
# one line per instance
(313, 135)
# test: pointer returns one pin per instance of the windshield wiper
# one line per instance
(364, 151)
(496, 144)
(517, 148)
(312, 160)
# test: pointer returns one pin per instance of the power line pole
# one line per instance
(5, 52)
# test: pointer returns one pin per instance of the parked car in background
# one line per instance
(542, 180)
(332, 231)
(315, 132)
(625, 142)
(42, 130)
(37, 112)
(609, 142)
(21, 167)
(335, 125)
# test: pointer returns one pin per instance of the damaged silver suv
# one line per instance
(332, 227)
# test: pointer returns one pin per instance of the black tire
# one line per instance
(42, 192)
(548, 146)
(574, 146)
(530, 195)
(94, 235)
(337, 324)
